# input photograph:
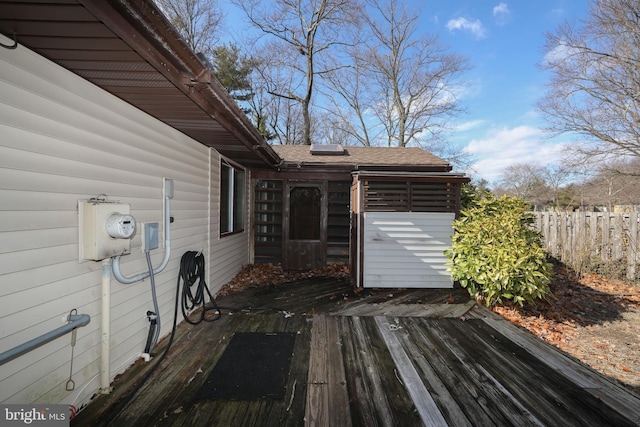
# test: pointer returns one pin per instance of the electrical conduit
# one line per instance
(167, 252)
(151, 272)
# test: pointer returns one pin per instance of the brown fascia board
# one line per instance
(405, 168)
(341, 167)
(411, 176)
(142, 26)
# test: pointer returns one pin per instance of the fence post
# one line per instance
(632, 254)
(579, 245)
(606, 242)
(566, 237)
(617, 248)
(593, 235)
(553, 223)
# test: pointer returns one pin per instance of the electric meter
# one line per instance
(105, 229)
(121, 226)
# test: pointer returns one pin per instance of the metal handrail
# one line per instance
(75, 321)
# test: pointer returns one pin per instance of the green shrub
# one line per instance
(470, 194)
(496, 254)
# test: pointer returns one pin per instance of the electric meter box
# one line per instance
(106, 230)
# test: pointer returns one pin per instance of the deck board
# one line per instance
(602, 389)
(377, 357)
(422, 399)
(473, 389)
(376, 398)
(327, 398)
(391, 308)
(507, 374)
(447, 388)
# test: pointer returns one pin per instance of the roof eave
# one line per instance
(146, 30)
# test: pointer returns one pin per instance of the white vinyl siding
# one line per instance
(62, 140)
(231, 252)
(406, 249)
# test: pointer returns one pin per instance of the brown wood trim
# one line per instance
(413, 178)
(303, 175)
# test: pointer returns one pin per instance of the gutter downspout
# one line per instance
(105, 374)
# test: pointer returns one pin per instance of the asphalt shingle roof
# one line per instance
(382, 156)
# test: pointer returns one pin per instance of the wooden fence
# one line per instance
(587, 239)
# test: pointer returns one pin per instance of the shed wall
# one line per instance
(406, 249)
(64, 140)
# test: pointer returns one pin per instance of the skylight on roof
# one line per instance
(326, 149)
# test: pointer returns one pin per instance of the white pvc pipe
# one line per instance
(167, 252)
(105, 380)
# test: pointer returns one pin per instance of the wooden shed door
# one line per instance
(305, 226)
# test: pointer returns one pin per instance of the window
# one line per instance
(232, 183)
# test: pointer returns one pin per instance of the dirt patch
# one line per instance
(594, 319)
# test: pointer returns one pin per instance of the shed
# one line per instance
(387, 211)
(402, 225)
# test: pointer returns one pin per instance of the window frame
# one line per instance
(233, 194)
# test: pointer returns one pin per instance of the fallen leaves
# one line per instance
(256, 275)
(589, 317)
(585, 301)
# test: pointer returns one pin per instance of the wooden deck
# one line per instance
(381, 357)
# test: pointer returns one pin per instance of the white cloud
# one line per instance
(475, 27)
(504, 147)
(558, 12)
(466, 126)
(501, 13)
(559, 54)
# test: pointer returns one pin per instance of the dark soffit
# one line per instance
(129, 49)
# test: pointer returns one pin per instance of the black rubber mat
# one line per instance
(253, 366)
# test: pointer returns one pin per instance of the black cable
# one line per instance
(154, 326)
(126, 398)
(191, 271)
(192, 275)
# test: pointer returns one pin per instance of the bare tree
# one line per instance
(555, 179)
(349, 94)
(595, 86)
(198, 21)
(300, 33)
(615, 183)
(328, 128)
(525, 181)
(415, 78)
(454, 154)
(285, 118)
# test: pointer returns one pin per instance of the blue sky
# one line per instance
(503, 41)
